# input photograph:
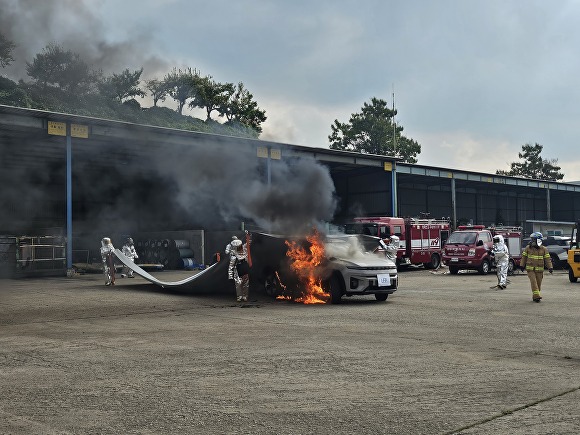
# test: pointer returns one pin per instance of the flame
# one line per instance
(306, 264)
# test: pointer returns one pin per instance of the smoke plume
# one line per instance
(31, 25)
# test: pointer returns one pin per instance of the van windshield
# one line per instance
(462, 238)
(362, 228)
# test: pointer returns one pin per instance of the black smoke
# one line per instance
(31, 25)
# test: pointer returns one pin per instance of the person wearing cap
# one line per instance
(129, 252)
(107, 256)
(239, 269)
(535, 259)
(500, 253)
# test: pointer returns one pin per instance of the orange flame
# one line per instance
(305, 263)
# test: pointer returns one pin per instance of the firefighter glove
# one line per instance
(523, 268)
(550, 270)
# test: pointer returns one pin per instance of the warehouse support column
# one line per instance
(453, 204)
(548, 205)
(68, 200)
(390, 167)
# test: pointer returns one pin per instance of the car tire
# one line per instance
(434, 263)
(453, 270)
(381, 297)
(555, 261)
(571, 276)
(511, 267)
(335, 289)
(484, 268)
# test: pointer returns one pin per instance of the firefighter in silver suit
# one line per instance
(390, 247)
(238, 269)
(107, 256)
(501, 254)
(228, 249)
(129, 252)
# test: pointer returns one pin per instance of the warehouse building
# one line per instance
(77, 178)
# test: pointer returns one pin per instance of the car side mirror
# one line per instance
(479, 243)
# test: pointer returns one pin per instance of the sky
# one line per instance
(472, 80)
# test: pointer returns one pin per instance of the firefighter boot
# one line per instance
(536, 296)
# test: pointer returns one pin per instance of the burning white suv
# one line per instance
(349, 264)
(357, 266)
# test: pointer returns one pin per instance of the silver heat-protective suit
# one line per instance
(502, 256)
(107, 256)
(129, 252)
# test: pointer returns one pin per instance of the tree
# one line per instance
(210, 94)
(373, 131)
(123, 86)
(6, 47)
(241, 108)
(180, 85)
(158, 90)
(534, 166)
(60, 68)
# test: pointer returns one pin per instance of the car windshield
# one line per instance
(462, 238)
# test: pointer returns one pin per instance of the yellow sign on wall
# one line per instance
(57, 128)
(77, 130)
(263, 152)
(275, 154)
(388, 166)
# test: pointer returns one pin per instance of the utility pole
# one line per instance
(394, 125)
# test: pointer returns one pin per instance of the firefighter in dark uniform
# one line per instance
(535, 259)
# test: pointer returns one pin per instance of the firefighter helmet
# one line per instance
(497, 239)
(536, 235)
(395, 239)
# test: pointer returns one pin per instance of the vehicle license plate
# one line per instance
(384, 279)
(454, 259)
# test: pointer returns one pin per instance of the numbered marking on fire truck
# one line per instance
(384, 279)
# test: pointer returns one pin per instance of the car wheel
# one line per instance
(571, 276)
(511, 267)
(335, 289)
(484, 268)
(555, 261)
(381, 297)
(435, 262)
(453, 270)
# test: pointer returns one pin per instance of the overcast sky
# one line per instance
(473, 80)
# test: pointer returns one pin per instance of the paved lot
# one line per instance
(445, 354)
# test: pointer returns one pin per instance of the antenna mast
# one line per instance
(394, 125)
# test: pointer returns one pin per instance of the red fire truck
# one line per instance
(421, 240)
(468, 248)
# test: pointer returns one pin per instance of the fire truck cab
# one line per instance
(468, 248)
(421, 240)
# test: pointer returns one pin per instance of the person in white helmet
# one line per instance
(129, 252)
(500, 253)
(390, 247)
(239, 269)
(107, 256)
(228, 249)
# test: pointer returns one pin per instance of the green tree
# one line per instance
(123, 86)
(533, 165)
(6, 47)
(60, 68)
(158, 90)
(241, 108)
(180, 85)
(210, 94)
(373, 131)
